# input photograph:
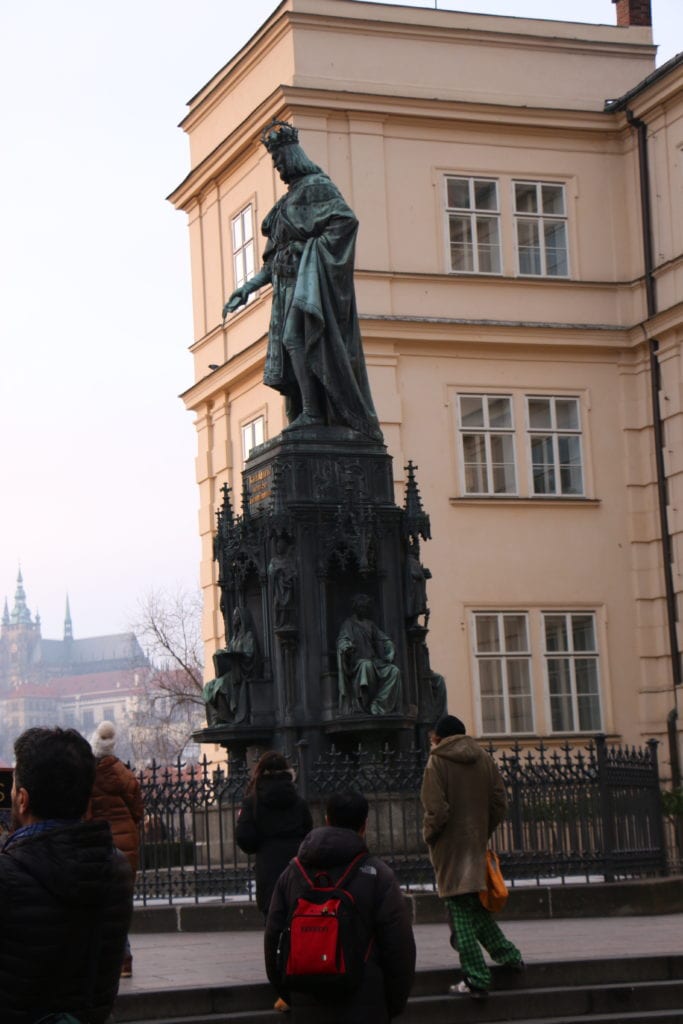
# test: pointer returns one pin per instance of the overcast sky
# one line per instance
(98, 493)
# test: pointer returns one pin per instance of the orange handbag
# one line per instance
(495, 895)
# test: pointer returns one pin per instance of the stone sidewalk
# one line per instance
(205, 959)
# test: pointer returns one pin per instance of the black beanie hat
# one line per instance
(449, 725)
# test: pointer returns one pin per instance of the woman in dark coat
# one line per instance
(272, 822)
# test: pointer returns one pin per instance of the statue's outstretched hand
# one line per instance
(237, 299)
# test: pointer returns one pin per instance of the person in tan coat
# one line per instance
(464, 800)
(117, 799)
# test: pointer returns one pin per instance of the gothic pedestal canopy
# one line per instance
(319, 527)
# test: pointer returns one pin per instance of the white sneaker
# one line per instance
(463, 989)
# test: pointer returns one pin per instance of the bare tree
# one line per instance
(168, 625)
(169, 628)
(159, 731)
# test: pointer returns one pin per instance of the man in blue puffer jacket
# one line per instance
(66, 893)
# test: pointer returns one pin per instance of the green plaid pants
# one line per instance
(475, 927)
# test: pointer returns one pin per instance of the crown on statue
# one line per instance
(279, 133)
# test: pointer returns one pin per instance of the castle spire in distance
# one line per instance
(68, 628)
(20, 613)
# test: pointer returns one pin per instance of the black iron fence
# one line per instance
(582, 813)
(575, 814)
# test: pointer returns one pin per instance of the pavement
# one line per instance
(168, 960)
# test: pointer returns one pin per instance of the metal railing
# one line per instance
(575, 814)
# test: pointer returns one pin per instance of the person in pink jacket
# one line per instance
(117, 799)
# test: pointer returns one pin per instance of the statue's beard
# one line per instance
(288, 176)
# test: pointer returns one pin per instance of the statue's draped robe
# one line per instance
(226, 697)
(368, 678)
(309, 258)
(416, 588)
(282, 573)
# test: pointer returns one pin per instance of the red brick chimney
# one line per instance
(633, 12)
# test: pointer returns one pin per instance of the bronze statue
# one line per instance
(438, 695)
(227, 697)
(368, 679)
(416, 587)
(315, 356)
(282, 573)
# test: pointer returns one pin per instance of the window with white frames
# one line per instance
(571, 657)
(503, 660)
(473, 225)
(487, 444)
(243, 246)
(253, 433)
(554, 427)
(541, 226)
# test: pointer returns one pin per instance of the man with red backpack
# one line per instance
(339, 943)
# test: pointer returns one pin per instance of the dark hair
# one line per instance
(56, 767)
(347, 810)
(270, 763)
(449, 725)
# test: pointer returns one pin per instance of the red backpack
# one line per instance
(324, 946)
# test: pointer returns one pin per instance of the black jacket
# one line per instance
(272, 822)
(66, 897)
(390, 968)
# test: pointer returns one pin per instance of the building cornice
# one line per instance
(492, 30)
(493, 335)
(595, 341)
(484, 322)
(416, 23)
(663, 323)
(229, 152)
(659, 88)
(445, 110)
(532, 332)
(294, 102)
(594, 338)
(236, 369)
(218, 90)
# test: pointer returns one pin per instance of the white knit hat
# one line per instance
(103, 739)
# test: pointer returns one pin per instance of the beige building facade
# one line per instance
(512, 320)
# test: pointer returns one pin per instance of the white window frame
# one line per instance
(488, 432)
(555, 433)
(473, 214)
(571, 656)
(504, 656)
(243, 247)
(250, 432)
(541, 221)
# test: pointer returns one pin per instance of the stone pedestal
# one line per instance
(319, 525)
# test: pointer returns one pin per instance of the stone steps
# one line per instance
(603, 991)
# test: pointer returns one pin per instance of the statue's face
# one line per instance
(280, 162)
(283, 164)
